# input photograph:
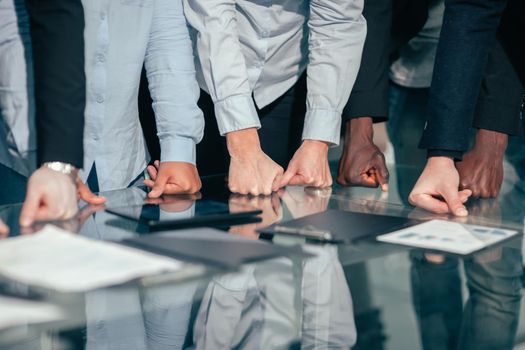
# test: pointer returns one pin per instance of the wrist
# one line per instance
(491, 141)
(360, 130)
(440, 161)
(243, 141)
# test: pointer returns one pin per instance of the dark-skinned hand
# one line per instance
(362, 162)
(481, 170)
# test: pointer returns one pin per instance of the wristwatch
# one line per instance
(64, 168)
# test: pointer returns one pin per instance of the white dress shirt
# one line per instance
(120, 36)
(263, 47)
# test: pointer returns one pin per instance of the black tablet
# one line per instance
(194, 213)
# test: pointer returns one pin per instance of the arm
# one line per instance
(337, 33)
(174, 90)
(362, 162)
(224, 70)
(468, 32)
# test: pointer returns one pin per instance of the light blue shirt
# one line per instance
(120, 36)
(258, 47)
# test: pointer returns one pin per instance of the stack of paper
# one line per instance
(448, 236)
(18, 312)
(59, 260)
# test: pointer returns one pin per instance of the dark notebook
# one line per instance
(339, 226)
(224, 251)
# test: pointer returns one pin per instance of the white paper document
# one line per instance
(19, 312)
(448, 236)
(66, 262)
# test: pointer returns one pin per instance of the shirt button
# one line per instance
(264, 33)
(99, 98)
(102, 16)
(101, 58)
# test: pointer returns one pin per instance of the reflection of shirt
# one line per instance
(247, 46)
(121, 35)
(277, 302)
(415, 65)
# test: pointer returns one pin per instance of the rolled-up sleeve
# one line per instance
(172, 83)
(222, 63)
(337, 32)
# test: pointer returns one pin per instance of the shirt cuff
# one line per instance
(178, 150)
(456, 155)
(322, 125)
(236, 113)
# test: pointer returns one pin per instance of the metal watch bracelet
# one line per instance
(64, 168)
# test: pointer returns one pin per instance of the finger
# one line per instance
(464, 196)
(366, 180)
(288, 175)
(451, 196)
(152, 171)
(158, 187)
(30, 207)
(277, 182)
(382, 176)
(428, 202)
(157, 164)
(149, 183)
(88, 196)
(4, 230)
(172, 188)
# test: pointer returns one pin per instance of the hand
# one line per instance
(309, 166)
(251, 170)
(305, 201)
(481, 170)
(4, 230)
(362, 163)
(437, 190)
(172, 178)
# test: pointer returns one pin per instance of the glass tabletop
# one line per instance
(364, 295)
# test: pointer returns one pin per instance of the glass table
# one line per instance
(364, 295)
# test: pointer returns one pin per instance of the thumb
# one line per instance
(158, 187)
(454, 202)
(30, 207)
(88, 196)
(288, 175)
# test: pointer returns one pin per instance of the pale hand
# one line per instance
(437, 189)
(172, 178)
(251, 170)
(309, 166)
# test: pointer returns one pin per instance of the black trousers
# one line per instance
(280, 133)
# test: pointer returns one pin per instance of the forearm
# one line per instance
(172, 83)
(468, 31)
(337, 33)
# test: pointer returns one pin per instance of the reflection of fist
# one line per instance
(271, 212)
(481, 170)
(362, 162)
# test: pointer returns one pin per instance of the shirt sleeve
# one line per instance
(222, 63)
(337, 32)
(172, 83)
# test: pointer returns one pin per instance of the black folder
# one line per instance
(336, 226)
(223, 251)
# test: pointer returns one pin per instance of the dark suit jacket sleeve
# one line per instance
(57, 32)
(469, 30)
(499, 103)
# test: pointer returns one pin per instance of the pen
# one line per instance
(308, 232)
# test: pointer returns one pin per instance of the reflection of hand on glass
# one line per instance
(4, 230)
(174, 203)
(271, 212)
(305, 201)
